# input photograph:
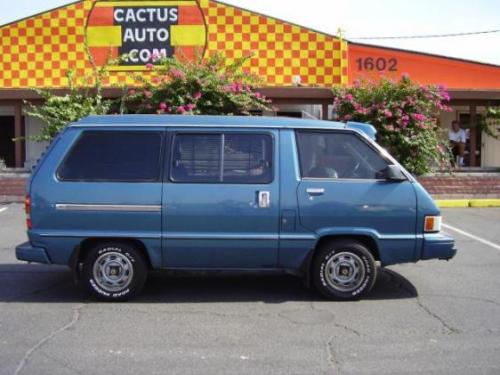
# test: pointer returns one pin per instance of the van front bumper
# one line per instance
(438, 246)
(30, 253)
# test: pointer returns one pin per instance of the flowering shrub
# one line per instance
(405, 116)
(84, 99)
(204, 86)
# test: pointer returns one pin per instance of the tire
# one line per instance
(344, 270)
(114, 271)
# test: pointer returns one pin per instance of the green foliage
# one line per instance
(84, 98)
(203, 86)
(405, 115)
(491, 118)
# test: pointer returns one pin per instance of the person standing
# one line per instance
(457, 139)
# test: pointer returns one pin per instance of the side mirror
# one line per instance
(391, 173)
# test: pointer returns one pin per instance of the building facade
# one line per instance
(297, 64)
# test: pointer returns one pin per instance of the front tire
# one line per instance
(344, 270)
(114, 271)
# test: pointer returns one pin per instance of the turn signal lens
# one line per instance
(432, 224)
(27, 209)
(27, 205)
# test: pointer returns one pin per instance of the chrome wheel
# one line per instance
(113, 271)
(344, 271)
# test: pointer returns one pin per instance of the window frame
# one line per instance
(221, 133)
(161, 158)
(352, 132)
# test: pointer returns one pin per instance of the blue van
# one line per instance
(117, 196)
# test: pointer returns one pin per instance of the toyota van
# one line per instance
(117, 196)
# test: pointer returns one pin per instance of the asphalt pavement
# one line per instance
(432, 317)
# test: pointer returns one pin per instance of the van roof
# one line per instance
(217, 121)
(175, 120)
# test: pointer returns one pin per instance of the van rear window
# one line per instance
(130, 156)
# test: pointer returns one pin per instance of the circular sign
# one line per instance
(143, 31)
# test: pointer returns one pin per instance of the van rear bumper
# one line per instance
(438, 246)
(30, 253)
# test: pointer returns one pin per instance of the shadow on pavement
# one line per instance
(40, 283)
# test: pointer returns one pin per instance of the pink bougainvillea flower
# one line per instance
(162, 106)
(157, 56)
(190, 106)
(387, 113)
(148, 94)
(197, 95)
(131, 92)
(349, 97)
(176, 73)
(419, 117)
(181, 109)
(258, 95)
(149, 66)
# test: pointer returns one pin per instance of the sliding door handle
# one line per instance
(264, 199)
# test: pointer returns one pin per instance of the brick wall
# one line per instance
(480, 185)
(12, 188)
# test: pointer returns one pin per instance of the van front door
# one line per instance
(341, 193)
(220, 200)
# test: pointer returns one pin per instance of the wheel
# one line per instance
(344, 269)
(114, 271)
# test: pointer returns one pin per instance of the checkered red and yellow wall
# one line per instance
(38, 51)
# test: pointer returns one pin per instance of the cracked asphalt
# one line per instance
(433, 317)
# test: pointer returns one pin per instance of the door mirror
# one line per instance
(391, 173)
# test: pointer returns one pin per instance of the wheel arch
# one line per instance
(369, 241)
(81, 249)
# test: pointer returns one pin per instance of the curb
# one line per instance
(462, 203)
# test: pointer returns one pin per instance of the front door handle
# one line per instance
(315, 191)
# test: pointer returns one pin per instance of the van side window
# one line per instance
(247, 158)
(196, 158)
(337, 155)
(131, 156)
(226, 158)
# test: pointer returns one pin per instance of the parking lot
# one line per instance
(429, 317)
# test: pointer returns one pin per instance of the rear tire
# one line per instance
(114, 271)
(344, 270)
